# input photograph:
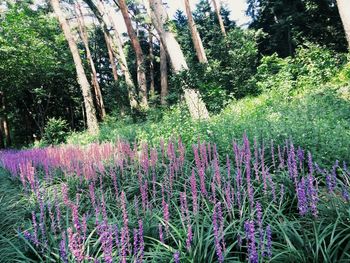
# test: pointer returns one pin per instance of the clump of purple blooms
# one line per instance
(132, 198)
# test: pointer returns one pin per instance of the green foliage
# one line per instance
(37, 72)
(288, 24)
(299, 101)
(310, 67)
(55, 131)
(231, 65)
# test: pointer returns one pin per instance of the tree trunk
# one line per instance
(111, 55)
(344, 11)
(82, 79)
(5, 124)
(197, 41)
(2, 118)
(151, 61)
(111, 25)
(84, 36)
(2, 142)
(159, 18)
(163, 75)
(217, 7)
(140, 60)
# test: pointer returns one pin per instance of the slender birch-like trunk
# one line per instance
(196, 39)
(85, 38)
(159, 18)
(163, 75)
(110, 27)
(344, 11)
(90, 110)
(140, 59)
(217, 7)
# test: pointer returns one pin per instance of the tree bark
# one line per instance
(82, 79)
(196, 39)
(159, 19)
(111, 56)
(344, 11)
(163, 75)
(140, 59)
(2, 142)
(217, 7)
(110, 27)
(151, 61)
(84, 36)
(4, 126)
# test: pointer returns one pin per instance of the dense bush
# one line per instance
(310, 68)
(55, 131)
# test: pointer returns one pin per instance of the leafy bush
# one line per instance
(56, 131)
(309, 68)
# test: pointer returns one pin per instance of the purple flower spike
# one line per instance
(177, 257)
(302, 201)
(268, 251)
(250, 233)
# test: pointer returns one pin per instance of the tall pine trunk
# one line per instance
(82, 79)
(344, 11)
(217, 7)
(163, 75)
(140, 60)
(111, 55)
(196, 39)
(4, 124)
(84, 36)
(151, 61)
(159, 18)
(110, 27)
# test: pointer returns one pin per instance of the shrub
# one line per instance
(55, 131)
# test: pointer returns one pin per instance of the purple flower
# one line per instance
(280, 157)
(250, 233)
(239, 240)
(75, 245)
(196, 157)
(184, 208)
(177, 257)
(310, 164)
(201, 174)
(194, 193)
(260, 223)
(124, 244)
(312, 194)
(63, 249)
(161, 236)
(268, 250)
(204, 156)
(218, 232)
(189, 236)
(247, 159)
(35, 229)
(166, 215)
(256, 160)
(300, 154)
(292, 165)
(302, 201)
(345, 194)
(141, 242)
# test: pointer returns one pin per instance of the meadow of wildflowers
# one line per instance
(122, 202)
